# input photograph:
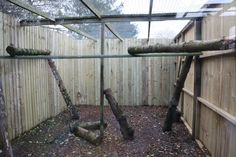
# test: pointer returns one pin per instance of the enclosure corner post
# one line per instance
(197, 83)
(102, 81)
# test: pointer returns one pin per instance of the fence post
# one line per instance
(197, 83)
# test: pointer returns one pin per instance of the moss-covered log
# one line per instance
(92, 125)
(12, 51)
(170, 118)
(72, 108)
(87, 125)
(191, 46)
(87, 135)
(126, 130)
(4, 141)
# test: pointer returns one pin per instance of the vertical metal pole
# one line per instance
(102, 81)
(149, 22)
(197, 83)
(179, 70)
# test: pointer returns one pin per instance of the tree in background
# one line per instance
(69, 8)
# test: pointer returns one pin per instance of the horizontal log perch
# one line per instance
(87, 135)
(91, 125)
(126, 130)
(191, 46)
(12, 51)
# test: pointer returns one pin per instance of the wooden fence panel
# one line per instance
(33, 96)
(218, 87)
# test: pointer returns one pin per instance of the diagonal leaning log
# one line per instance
(126, 130)
(72, 108)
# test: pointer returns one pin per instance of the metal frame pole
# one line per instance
(197, 84)
(102, 81)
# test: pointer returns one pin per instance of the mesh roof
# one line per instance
(75, 8)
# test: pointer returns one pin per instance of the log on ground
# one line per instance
(12, 51)
(92, 125)
(87, 125)
(87, 135)
(191, 46)
(172, 110)
(126, 130)
(72, 108)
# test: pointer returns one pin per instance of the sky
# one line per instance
(166, 29)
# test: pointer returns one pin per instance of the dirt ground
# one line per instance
(53, 138)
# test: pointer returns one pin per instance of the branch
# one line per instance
(192, 46)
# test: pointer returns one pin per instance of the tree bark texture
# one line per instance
(87, 125)
(191, 46)
(172, 110)
(92, 125)
(12, 51)
(4, 141)
(126, 130)
(87, 135)
(72, 108)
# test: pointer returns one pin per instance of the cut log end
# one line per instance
(10, 50)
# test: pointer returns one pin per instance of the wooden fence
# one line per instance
(31, 92)
(216, 104)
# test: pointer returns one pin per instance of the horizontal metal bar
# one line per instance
(101, 56)
(106, 19)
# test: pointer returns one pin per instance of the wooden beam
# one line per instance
(47, 16)
(31, 9)
(106, 19)
(187, 92)
(218, 110)
(73, 29)
(98, 15)
(149, 22)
